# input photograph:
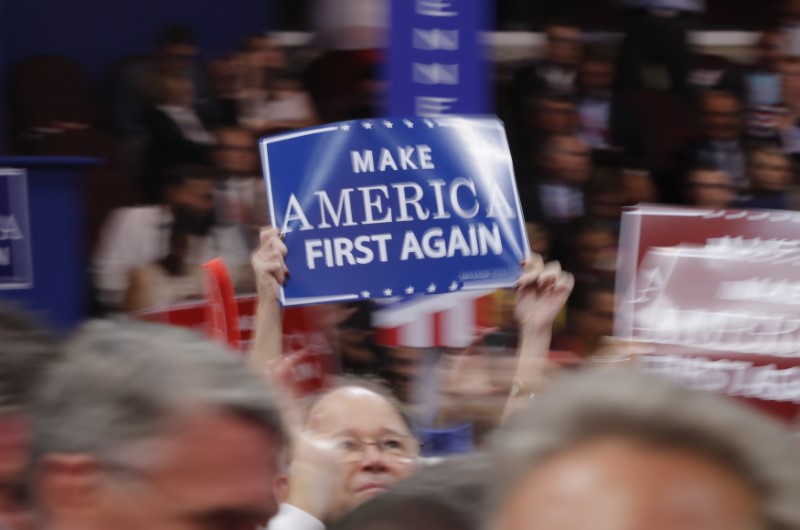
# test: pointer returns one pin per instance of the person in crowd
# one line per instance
(450, 495)
(148, 426)
(239, 194)
(656, 33)
(168, 281)
(226, 85)
(596, 81)
(770, 180)
(176, 53)
(28, 350)
(177, 135)
(760, 87)
(790, 91)
(566, 167)
(138, 236)
(606, 195)
(558, 69)
(622, 449)
(547, 114)
(343, 459)
(710, 187)
(638, 183)
(590, 318)
(593, 253)
(722, 128)
(271, 99)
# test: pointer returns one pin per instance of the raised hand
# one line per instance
(542, 290)
(269, 265)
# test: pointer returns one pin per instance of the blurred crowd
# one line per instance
(134, 425)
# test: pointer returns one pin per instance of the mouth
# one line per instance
(372, 488)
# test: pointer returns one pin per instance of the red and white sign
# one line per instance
(717, 295)
(447, 321)
(303, 335)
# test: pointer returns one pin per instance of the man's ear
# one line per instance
(67, 486)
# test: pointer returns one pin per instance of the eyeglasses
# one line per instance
(393, 447)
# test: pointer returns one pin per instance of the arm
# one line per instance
(115, 257)
(541, 292)
(136, 298)
(271, 272)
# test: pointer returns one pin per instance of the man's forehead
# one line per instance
(354, 408)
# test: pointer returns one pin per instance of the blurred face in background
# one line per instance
(210, 471)
(177, 59)
(711, 189)
(615, 483)
(556, 116)
(178, 90)
(790, 80)
(564, 45)
(265, 53)
(235, 152)
(721, 116)
(596, 77)
(770, 171)
(16, 512)
(568, 159)
(770, 49)
(192, 204)
(592, 245)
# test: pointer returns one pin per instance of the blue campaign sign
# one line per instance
(395, 207)
(16, 270)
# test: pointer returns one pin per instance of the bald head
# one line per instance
(371, 437)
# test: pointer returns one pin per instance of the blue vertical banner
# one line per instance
(437, 62)
(16, 270)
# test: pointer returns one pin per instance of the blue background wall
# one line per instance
(95, 33)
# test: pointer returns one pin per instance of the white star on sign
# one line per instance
(409, 124)
(366, 125)
(429, 123)
(409, 290)
(345, 127)
(365, 294)
(432, 288)
(387, 292)
(388, 124)
(453, 286)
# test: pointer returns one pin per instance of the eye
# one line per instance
(347, 445)
(391, 444)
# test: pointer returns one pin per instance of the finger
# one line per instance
(278, 246)
(550, 275)
(565, 284)
(268, 233)
(532, 263)
(532, 269)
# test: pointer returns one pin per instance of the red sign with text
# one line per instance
(717, 296)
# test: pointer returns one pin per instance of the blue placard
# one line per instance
(16, 270)
(437, 62)
(381, 208)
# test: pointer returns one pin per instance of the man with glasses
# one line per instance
(363, 445)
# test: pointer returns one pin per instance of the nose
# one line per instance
(373, 459)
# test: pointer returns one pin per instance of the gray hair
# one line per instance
(656, 411)
(122, 384)
(26, 351)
